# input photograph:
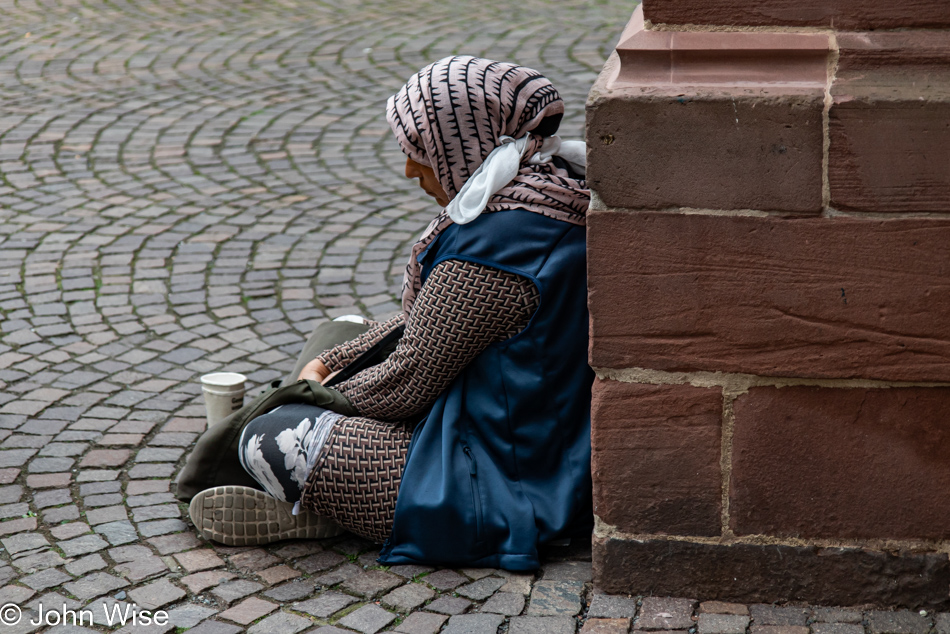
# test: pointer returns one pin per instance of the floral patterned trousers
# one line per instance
(350, 467)
(280, 448)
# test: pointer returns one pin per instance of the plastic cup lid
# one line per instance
(223, 379)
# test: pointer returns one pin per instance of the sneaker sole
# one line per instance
(241, 516)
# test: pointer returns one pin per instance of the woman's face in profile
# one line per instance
(427, 181)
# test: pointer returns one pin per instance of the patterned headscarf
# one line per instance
(453, 113)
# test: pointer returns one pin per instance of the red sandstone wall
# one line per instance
(769, 274)
(840, 14)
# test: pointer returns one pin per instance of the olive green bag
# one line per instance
(214, 461)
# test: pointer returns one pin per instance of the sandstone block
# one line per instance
(861, 463)
(806, 297)
(690, 59)
(888, 123)
(655, 460)
(771, 573)
(841, 14)
(661, 147)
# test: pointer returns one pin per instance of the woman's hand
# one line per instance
(314, 371)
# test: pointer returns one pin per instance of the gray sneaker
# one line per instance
(241, 516)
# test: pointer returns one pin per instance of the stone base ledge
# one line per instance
(771, 573)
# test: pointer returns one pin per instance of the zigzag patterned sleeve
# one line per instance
(341, 356)
(463, 308)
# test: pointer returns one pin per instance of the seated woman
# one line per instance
(493, 361)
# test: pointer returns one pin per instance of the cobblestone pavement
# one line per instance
(190, 186)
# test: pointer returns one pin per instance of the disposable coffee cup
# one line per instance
(224, 393)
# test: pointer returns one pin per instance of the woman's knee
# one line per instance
(254, 428)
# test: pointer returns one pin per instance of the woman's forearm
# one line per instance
(339, 357)
(462, 309)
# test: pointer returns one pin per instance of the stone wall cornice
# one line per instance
(733, 58)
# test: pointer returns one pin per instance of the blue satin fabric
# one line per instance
(502, 462)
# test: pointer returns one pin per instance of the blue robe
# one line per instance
(502, 462)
